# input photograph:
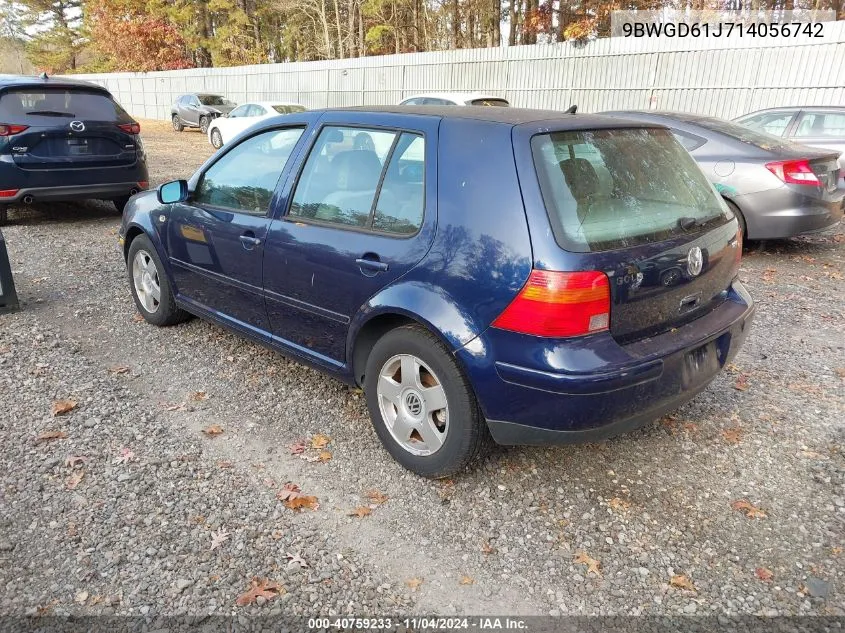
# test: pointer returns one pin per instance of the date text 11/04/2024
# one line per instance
(419, 624)
(723, 29)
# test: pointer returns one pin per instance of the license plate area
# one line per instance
(700, 365)
(78, 147)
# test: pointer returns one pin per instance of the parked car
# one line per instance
(64, 139)
(777, 188)
(223, 129)
(819, 126)
(455, 98)
(199, 110)
(476, 278)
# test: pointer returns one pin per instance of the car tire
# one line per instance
(177, 123)
(146, 275)
(216, 139)
(120, 202)
(204, 122)
(440, 441)
(739, 218)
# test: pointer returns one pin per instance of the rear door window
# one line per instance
(821, 125)
(617, 188)
(770, 122)
(52, 104)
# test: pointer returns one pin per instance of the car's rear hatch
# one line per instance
(632, 203)
(68, 128)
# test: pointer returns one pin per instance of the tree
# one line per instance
(57, 41)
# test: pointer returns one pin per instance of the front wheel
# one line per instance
(421, 405)
(177, 123)
(204, 124)
(150, 286)
(216, 139)
(739, 218)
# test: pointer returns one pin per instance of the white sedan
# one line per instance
(225, 128)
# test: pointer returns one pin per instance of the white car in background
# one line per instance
(224, 129)
(456, 98)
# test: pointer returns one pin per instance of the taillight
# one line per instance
(559, 304)
(143, 184)
(794, 172)
(8, 193)
(7, 129)
(130, 128)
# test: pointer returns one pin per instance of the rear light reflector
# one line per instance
(559, 304)
(794, 172)
(8, 193)
(144, 184)
(7, 129)
(130, 128)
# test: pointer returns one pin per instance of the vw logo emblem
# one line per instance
(695, 261)
(414, 403)
(77, 126)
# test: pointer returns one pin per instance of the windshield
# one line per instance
(57, 103)
(213, 100)
(490, 102)
(608, 189)
(288, 109)
(742, 133)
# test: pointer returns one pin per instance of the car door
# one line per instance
(823, 129)
(357, 220)
(192, 110)
(233, 123)
(184, 108)
(215, 240)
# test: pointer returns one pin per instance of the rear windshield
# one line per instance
(288, 109)
(608, 189)
(490, 102)
(57, 103)
(213, 100)
(760, 139)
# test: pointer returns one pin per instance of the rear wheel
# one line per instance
(177, 124)
(204, 124)
(739, 218)
(120, 202)
(422, 407)
(216, 138)
(150, 286)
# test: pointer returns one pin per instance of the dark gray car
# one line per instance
(777, 188)
(199, 110)
(819, 126)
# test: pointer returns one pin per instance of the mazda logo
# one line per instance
(414, 403)
(77, 126)
(695, 261)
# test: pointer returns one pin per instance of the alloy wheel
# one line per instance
(146, 282)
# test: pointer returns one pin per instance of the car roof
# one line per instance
(455, 96)
(27, 81)
(270, 104)
(805, 107)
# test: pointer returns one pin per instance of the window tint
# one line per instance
(770, 122)
(288, 109)
(607, 189)
(821, 124)
(244, 178)
(402, 197)
(239, 111)
(55, 104)
(689, 141)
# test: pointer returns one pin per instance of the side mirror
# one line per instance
(173, 192)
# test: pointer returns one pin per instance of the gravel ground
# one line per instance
(651, 510)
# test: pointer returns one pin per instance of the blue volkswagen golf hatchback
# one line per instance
(488, 274)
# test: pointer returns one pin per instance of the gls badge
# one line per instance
(695, 261)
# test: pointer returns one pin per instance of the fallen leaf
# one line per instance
(81, 597)
(119, 369)
(741, 383)
(733, 435)
(290, 491)
(295, 559)
(769, 274)
(198, 396)
(413, 583)
(487, 548)
(260, 587)
(361, 512)
(301, 502)
(39, 280)
(72, 461)
(173, 406)
(836, 551)
(40, 369)
(324, 456)
(619, 504)
(764, 574)
(126, 456)
(320, 441)
(376, 496)
(682, 582)
(138, 318)
(840, 371)
(51, 435)
(218, 538)
(73, 481)
(277, 535)
(298, 447)
(214, 429)
(591, 563)
(60, 407)
(741, 505)
(224, 463)
(466, 580)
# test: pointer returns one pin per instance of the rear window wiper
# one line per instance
(688, 224)
(52, 113)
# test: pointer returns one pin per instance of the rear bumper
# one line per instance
(589, 389)
(74, 192)
(786, 212)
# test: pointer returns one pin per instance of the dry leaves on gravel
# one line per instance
(198, 396)
(682, 582)
(467, 580)
(126, 456)
(619, 504)
(214, 429)
(60, 407)
(752, 512)
(260, 588)
(293, 499)
(487, 548)
(320, 441)
(414, 583)
(764, 574)
(73, 481)
(741, 383)
(376, 496)
(46, 436)
(72, 461)
(173, 406)
(361, 512)
(295, 559)
(733, 435)
(119, 369)
(591, 563)
(218, 538)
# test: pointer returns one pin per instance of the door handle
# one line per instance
(371, 264)
(250, 241)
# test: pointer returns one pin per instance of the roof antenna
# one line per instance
(572, 109)
(43, 75)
